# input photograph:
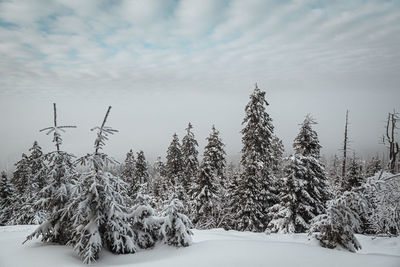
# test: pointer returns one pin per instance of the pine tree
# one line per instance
(6, 199)
(255, 189)
(37, 166)
(354, 177)
(174, 165)
(334, 175)
(373, 166)
(22, 175)
(205, 196)
(277, 156)
(214, 150)
(175, 228)
(189, 155)
(24, 209)
(305, 189)
(159, 182)
(100, 217)
(141, 170)
(58, 192)
(128, 174)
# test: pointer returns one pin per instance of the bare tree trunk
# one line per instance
(346, 140)
(55, 126)
(390, 137)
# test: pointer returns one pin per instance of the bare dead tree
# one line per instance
(56, 129)
(389, 140)
(345, 143)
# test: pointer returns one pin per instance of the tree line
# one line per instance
(134, 205)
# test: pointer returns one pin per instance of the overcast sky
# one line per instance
(161, 64)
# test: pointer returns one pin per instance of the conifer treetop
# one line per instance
(56, 129)
(102, 133)
(306, 143)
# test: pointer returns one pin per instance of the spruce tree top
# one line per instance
(306, 143)
(56, 129)
(258, 130)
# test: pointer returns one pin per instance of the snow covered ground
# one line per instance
(214, 247)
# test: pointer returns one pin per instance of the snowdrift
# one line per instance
(215, 247)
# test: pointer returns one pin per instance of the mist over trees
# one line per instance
(94, 202)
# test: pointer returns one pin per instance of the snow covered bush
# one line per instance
(383, 191)
(175, 229)
(144, 222)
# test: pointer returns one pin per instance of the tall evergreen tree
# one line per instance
(255, 187)
(189, 155)
(305, 188)
(174, 165)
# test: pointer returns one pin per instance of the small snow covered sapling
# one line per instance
(175, 228)
(144, 222)
(101, 213)
(55, 195)
(338, 225)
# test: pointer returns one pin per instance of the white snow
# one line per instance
(215, 247)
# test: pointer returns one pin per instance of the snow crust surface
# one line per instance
(215, 247)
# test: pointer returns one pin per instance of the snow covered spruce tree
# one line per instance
(6, 198)
(22, 175)
(205, 199)
(373, 166)
(38, 166)
(334, 175)
(175, 228)
(160, 188)
(304, 190)
(128, 174)
(208, 193)
(354, 177)
(142, 172)
(58, 191)
(340, 222)
(30, 211)
(100, 214)
(189, 157)
(255, 187)
(277, 156)
(24, 210)
(174, 167)
(216, 154)
(144, 223)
